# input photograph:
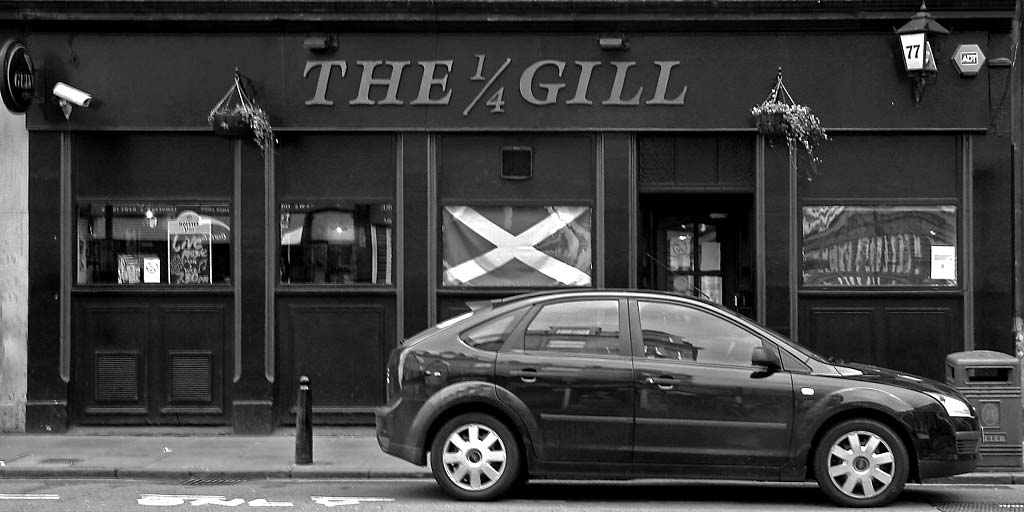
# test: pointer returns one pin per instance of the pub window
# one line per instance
(153, 242)
(516, 246)
(879, 246)
(336, 242)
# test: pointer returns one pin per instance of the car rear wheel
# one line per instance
(861, 463)
(475, 457)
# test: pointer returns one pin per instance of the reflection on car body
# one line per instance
(637, 384)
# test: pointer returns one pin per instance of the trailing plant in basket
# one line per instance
(778, 114)
(238, 113)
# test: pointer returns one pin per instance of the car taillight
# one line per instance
(393, 374)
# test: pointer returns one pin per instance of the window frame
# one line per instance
(636, 327)
(512, 203)
(326, 203)
(215, 201)
(626, 349)
(881, 204)
(512, 334)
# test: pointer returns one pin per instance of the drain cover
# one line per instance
(979, 507)
(68, 462)
(207, 480)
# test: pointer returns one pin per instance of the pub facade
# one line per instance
(408, 159)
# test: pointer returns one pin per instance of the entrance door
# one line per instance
(701, 246)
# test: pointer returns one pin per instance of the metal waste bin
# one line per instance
(991, 382)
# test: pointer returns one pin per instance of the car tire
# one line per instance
(861, 463)
(475, 457)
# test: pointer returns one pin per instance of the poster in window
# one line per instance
(127, 269)
(150, 268)
(188, 249)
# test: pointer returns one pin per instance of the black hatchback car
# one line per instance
(638, 384)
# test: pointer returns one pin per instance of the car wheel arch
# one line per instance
(463, 397)
(886, 419)
(492, 409)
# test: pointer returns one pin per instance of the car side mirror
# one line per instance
(769, 360)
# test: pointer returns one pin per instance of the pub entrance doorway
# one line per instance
(699, 245)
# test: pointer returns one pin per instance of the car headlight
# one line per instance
(954, 406)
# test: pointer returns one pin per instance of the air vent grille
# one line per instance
(117, 377)
(191, 377)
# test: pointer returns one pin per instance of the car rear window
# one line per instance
(491, 335)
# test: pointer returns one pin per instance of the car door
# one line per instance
(701, 404)
(571, 366)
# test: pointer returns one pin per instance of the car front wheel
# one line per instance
(475, 457)
(861, 463)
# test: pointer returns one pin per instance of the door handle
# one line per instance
(527, 375)
(664, 383)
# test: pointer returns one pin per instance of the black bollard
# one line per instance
(304, 424)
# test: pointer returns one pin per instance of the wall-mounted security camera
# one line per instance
(71, 95)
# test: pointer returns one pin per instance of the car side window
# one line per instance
(586, 326)
(791, 364)
(491, 335)
(673, 331)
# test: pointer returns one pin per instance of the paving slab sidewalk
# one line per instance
(345, 454)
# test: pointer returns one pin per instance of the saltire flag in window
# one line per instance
(517, 246)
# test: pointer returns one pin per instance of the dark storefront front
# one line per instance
(180, 277)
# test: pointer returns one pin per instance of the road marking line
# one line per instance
(29, 497)
(343, 501)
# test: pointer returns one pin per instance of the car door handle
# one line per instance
(665, 383)
(528, 375)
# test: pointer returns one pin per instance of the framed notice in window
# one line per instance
(189, 249)
(148, 242)
(879, 246)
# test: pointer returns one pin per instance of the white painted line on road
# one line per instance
(262, 502)
(29, 497)
(170, 500)
(342, 501)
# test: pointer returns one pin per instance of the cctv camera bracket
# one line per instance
(65, 107)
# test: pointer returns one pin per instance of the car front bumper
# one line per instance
(964, 460)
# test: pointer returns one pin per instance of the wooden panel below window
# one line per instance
(846, 333)
(341, 343)
(920, 338)
(112, 339)
(909, 334)
(150, 359)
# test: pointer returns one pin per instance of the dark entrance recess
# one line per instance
(699, 245)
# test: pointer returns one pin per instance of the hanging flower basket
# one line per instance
(770, 123)
(779, 116)
(230, 124)
(238, 115)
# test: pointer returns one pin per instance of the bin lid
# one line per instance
(980, 358)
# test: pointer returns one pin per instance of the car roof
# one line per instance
(537, 296)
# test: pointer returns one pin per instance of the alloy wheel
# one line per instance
(861, 464)
(474, 457)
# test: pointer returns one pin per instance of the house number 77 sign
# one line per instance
(916, 52)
